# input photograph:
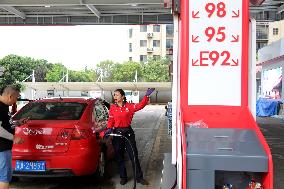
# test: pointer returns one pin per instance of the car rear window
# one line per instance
(51, 111)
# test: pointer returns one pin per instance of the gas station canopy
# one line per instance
(83, 12)
(97, 86)
(90, 12)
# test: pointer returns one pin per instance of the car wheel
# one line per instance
(101, 169)
(15, 179)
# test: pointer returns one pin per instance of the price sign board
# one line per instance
(215, 52)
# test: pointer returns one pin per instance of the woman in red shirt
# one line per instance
(120, 117)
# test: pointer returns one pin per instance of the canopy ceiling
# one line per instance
(90, 12)
(97, 86)
(82, 12)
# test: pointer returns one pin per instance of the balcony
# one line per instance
(261, 36)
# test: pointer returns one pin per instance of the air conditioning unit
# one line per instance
(150, 34)
(150, 49)
(169, 51)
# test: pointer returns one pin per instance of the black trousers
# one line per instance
(120, 145)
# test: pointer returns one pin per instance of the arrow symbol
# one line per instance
(236, 14)
(194, 63)
(235, 38)
(195, 15)
(236, 63)
(194, 39)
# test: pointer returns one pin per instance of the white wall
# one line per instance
(271, 51)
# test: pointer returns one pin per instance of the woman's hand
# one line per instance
(149, 91)
(105, 134)
(18, 140)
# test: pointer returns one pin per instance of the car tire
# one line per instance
(101, 169)
(15, 179)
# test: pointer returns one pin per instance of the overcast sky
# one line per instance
(73, 46)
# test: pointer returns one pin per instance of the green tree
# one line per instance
(156, 70)
(82, 76)
(106, 69)
(17, 68)
(127, 71)
(56, 72)
(41, 68)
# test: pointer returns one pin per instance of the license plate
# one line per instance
(30, 165)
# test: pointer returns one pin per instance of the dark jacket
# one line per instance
(6, 123)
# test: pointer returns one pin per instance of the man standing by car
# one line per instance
(9, 96)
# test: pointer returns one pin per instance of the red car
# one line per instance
(61, 138)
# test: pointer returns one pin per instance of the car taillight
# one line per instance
(73, 134)
(79, 134)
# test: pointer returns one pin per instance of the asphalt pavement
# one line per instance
(273, 131)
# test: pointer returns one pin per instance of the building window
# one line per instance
(143, 58)
(170, 30)
(130, 47)
(282, 15)
(169, 43)
(143, 43)
(156, 28)
(156, 57)
(143, 28)
(156, 43)
(50, 93)
(130, 58)
(84, 93)
(262, 32)
(170, 57)
(259, 45)
(275, 31)
(130, 32)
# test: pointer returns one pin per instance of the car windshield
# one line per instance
(51, 111)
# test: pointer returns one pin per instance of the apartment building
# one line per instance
(265, 15)
(150, 41)
(263, 19)
(276, 31)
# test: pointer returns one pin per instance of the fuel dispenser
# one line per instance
(216, 141)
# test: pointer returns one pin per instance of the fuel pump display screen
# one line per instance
(215, 52)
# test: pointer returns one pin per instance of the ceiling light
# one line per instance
(133, 4)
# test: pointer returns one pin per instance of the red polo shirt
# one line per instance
(120, 117)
